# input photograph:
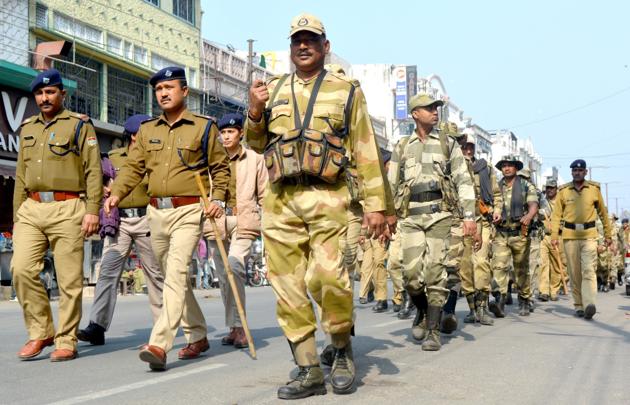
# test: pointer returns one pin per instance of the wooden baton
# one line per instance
(226, 264)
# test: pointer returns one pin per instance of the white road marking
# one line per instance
(134, 386)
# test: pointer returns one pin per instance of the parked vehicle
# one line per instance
(255, 267)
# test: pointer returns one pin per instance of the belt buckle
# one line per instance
(164, 202)
(130, 212)
(435, 208)
(579, 227)
(46, 196)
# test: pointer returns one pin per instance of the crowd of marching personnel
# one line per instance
(302, 168)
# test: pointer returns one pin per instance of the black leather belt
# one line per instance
(579, 227)
(132, 212)
(426, 196)
(429, 209)
(303, 180)
(508, 231)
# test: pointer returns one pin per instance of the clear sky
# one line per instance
(555, 70)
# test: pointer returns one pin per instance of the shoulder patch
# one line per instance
(208, 117)
(82, 117)
(149, 120)
(565, 185)
(593, 183)
(26, 121)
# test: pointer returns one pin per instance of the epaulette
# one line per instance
(26, 121)
(149, 120)
(272, 79)
(346, 79)
(565, 185)
(593, 183)
(82, 117)
(208, 117)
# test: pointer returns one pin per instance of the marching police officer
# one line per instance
(170, 149)
(58, 191)
(323, 115)
(133, 229)
(550, 279)
(576, 209)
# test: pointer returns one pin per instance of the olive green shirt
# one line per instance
(506, 197)
(579, 207)
(166, 152)
(328, 114)
(49, 160)
(139, 197)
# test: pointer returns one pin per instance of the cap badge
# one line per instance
(232, 121)
(46, 80)
(168, 73)
(302, 22)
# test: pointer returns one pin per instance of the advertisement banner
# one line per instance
(412, 80)
(400, 78)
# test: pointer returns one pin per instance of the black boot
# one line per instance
(407, 307)
(327, 357)
(497, 306)
(419, 325)
(396, 307)
(472, 316)
(432, 342)
(449, 320)
(370, 296)
(94, 333)
(523, 307)
(343, 372)
(381, 306)
(309, 381)
(508, 300)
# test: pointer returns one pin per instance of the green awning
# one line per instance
(20, 77)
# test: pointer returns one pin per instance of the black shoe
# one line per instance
(370, 296)
(579, 313)
(530, 305)
(605, 287)
(308, 382)
(451, 302)
(363, 301)
(589, 311)
(396, 307)
(543, 297)
(94, 333)
(407, 307)
(508, 299)
(381, 306)
(497, 307)
(328, 355)
(449, 323)
(343, 372)
(432, 341)
(612, 285)
(523, 308)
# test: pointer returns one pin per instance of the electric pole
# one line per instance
(250, 63)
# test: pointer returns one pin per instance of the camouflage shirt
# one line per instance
(506, 195)
(328, 114)
(416, 165)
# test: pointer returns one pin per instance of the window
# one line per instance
(159, 62)
(114, 44)
(184, 9)
(41, 16)
(76, 29)
(126, 96)
(192, 77)
(87, 99)
(154, 2)
(128, 50)
(140, 55)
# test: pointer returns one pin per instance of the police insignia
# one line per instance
(91, 140)
(46, 80)
(168, 73)
(232, 122)
(154, 141)
(302, 22)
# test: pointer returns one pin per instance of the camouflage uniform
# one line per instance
(305, 225)
(417, 169)
(510, 243)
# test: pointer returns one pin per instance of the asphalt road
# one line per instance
(550, 357)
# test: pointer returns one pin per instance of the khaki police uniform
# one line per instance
(57, 182)
(133, 230)
(576, 210)
(373, 273)
(305, 222)
(170, 154)
(550, 279)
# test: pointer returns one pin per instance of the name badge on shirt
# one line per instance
(154, 141)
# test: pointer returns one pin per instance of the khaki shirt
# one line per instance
(418, 163)
(506, 196)
(139, 197)
(328, 111)
(579, 207)
(162, 152)
(47, 160)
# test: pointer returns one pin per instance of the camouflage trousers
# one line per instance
(373, 274)
(394, 268)
(516, 247)
(355, 217)
(476, 273)
(534, 264)
(424, 254)
(550, 279)
(305, 228)
(458, 257)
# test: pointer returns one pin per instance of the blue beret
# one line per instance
(50, 77)
(132, 125)
(578, 164)
(168, 73)
(231, 120)
(386, 155)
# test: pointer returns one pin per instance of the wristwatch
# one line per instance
(219, 203)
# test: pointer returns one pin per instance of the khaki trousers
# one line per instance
(238, 250)
(550, 271)
(373, 273)
(175, 234)
(115, 252)
(534, 264)
(582, 262)
(395, 269)
(58, 225)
